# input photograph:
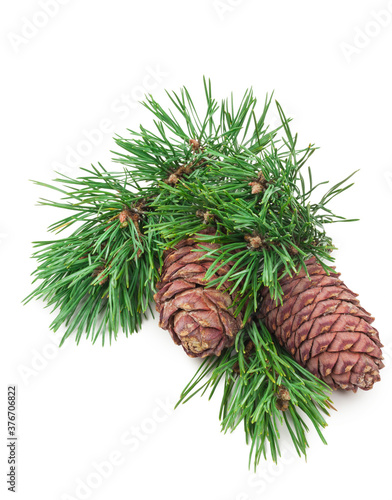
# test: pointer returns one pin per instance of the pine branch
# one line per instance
(101, 277)
(222, 167)
(267, 231)
(263, 389)
(153, 156)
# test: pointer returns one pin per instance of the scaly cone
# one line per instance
(200, 319)
(321, 323)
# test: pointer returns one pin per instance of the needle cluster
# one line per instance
(226, 169)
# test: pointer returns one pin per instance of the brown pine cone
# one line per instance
(200, 319)
(322, 324)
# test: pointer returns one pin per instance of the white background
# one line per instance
(330, 66)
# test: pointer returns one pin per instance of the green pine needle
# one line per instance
(221, 167)
(250, 396)
(101, 277)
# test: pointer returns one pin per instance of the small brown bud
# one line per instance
(292, 250)
(173, 179)
(282, 398)
(254, 242)
(256, 187)
(260, 184)
(124, 216)
(195, 144)
(283, 393)
(282, 405)
(207, 216)
(249, 348)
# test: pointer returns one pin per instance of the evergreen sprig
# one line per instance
(101, 277)
(223, 130)
(223, 168)
(189, 172)
(290, 226)
(252, 386)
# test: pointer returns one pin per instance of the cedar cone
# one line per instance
(200, 319)
(321, 323)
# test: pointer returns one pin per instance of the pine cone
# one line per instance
(200, 319)
(322, 324)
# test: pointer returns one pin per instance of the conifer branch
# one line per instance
(100, 277)
(222, 169)
(264, 389)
